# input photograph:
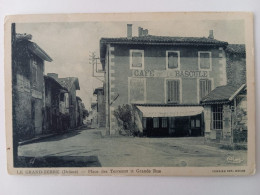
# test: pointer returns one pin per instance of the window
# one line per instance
(136, 59)
(172, 59)
(192, 124)
(173, 91)
(62, 97)
(217, 117)
(195, 123)
(66, 100)
(34, 75)
(164, 123)
(155, 122)
(144, 123)
(205, 87)
(204, 60)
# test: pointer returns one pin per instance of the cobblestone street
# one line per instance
(133, 151)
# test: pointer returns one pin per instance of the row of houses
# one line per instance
(42, 104)
(176, 86)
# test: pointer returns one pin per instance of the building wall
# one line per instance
(37, 93)
(52, 114)
(28, 93)
(101, 109)
(73, 106)
(236, 69)
(155, 86)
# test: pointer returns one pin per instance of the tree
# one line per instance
(125, 118)
(85, 113)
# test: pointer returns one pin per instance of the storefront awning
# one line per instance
(170, 111)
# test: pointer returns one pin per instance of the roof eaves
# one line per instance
(34, 48)
(237, 92)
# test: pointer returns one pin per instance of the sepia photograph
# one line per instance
(140, 94)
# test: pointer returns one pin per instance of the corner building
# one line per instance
(163, 78)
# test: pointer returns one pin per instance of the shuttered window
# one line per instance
(205, 87)
(204, 60)
(173, 59)
(34, 73)
(173, 91)
(136, 59)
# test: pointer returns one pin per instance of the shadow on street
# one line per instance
(58, 161)
(59, 137)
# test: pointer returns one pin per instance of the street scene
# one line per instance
(91, 148)
(129, 94)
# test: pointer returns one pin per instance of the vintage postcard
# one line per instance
(149, 94)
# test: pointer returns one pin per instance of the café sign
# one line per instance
(171, 73)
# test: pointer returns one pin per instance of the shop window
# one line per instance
(197, 123)
(217, 117)
(173, 91)
(164, 123)
(205, 87)
(172, 59)
(136, 59)
(144, 123)
(192, 123)
(155, 122)
(204, 60)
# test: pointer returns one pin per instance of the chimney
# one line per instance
(145, 32)
(211, 35)
(129, 31)
(53, 75)
(140, 31)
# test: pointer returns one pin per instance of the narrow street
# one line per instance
(131, 151)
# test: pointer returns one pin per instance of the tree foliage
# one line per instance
(125, 118)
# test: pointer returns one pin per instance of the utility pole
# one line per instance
(95, 62)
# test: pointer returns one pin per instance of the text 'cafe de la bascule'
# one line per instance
(163, 78)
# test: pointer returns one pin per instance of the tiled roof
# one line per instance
(151, 39)
(98, 89)
(33, 47)
(54, 81)
(236, 48)
(68, 82)
(159, 40)
(78, 98)
(222, 94)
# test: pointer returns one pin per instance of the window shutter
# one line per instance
(178, 90)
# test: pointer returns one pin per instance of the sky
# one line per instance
(70, 44)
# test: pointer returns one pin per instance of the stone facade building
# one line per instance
(28, 86)
(71, 84)
(80, 108)
(101, 107)
(225, 113)
(225, 108)
(163, 79)
(56, 106)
